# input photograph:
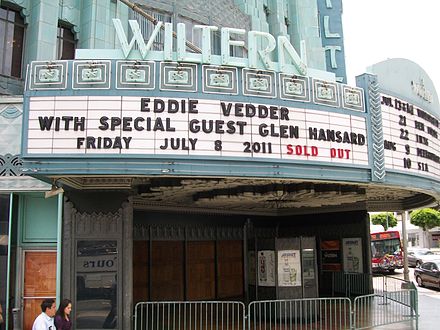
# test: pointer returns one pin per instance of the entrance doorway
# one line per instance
(39, 283)
(187, 270)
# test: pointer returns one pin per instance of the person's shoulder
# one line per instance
(58, 319)
(39, 319)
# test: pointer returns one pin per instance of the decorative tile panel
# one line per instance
(220, 80)
(295, 88)
(91, 75)
(373, 98)
(352, 98)
(259, 83)
(325, 93)
(10, 165)
(135, 75)
(48, 75)
(178, 77)
(10, 112)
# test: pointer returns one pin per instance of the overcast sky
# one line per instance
(376, 30)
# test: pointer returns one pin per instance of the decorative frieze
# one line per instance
(92, 224)
(143, 231)
(184, 77)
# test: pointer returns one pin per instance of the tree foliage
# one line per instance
(385, 219)
(425, 218)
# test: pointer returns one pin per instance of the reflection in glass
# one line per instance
(96, 285)
(11, 42)
(4, 238)
(308, 259)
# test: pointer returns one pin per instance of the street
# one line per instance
(433, 293)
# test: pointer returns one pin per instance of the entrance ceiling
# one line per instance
(252, 196)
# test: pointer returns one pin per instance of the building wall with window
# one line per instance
(48, 30)
(33, 30)
(117, 200)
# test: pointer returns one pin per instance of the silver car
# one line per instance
(418, 256)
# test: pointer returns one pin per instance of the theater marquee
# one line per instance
(114, 125)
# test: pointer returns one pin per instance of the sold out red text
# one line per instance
(313, 151)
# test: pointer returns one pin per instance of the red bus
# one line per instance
(386, 251)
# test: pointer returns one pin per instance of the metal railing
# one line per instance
(304, 314)
(351, 284)
(391, 301)
(185, 315)
(383, 309)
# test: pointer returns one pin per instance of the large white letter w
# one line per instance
(137, 37)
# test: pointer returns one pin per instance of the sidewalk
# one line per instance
(428, 316)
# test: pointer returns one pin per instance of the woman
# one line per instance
(62, 317)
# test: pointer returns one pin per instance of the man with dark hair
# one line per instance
(44, 321)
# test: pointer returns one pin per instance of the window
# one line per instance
(65, 43)
(11, 42)
(194, 36)
(426, 266)
(235, 51)
(96, 284)
(147, 27)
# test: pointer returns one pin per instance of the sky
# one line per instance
(376, 30)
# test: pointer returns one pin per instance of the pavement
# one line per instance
(429, 308)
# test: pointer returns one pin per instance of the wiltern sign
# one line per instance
(260, 48)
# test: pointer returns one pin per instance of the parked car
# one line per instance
(418, 256)
(428, 274)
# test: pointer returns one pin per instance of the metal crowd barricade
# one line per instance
(188, 315)
(383, 309)
(392, 301)
(351, 284)
(300, 314)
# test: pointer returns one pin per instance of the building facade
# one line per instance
(226, 161)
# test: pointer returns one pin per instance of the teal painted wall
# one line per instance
(91, 22)
(38, 218)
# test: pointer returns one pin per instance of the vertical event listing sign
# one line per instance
(352, 251)
(411, 137)
(266, 268)
(289, 268)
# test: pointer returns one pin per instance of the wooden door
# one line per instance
(230, 269)
(140, 271)
(39, 283)
(167, 271)
(201, 270)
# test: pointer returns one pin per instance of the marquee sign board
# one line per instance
(116, 108)
(411, 137)
(136, 125)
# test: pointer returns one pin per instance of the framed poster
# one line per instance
(352, 250)
(266, 268)
(289, 268)
(331, 255)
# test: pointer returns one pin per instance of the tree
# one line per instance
(385, 219)
(425, 218)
